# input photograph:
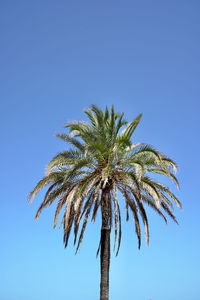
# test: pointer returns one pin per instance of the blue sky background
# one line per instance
(58, 57)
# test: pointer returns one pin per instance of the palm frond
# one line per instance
(84, 224)
(144, 219)
(130, 127)
(163, 172)
(162, 187)
(62, 159)
(116, 211)
(168, 161)
(149, 186)
(120, 229)
(46, 200)
(152, 204)
(67, 228)
(51, 178)
(73, 141)
(133, 208)
(96, 200)
(169, 212)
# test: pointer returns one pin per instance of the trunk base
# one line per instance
(105, 264)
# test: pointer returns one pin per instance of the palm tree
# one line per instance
(102, 162)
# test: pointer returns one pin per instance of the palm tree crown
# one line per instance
(103, 157)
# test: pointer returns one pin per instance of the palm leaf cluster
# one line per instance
(103, 158)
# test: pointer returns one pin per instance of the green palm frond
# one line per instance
(130, 127)
(62, 159)
(73, 141)
(163, 172)
(170, 162)
(145, 152)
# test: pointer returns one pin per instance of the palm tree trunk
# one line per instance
(105, 245)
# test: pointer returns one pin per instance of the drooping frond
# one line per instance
(46, 200)
(116, 211)
(169, 212)
(153, 205)
(145, 152)
(165, 189)
(96, 200)
(51, 178)
(151, 189)
(163, 172)
(90, 203)
(144, 219)
(120, 229)
(134, 210)
(170, 163)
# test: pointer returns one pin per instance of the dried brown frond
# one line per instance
(116, 212)
(96, 201)
(167, 200)
(153, 205)
(133, 208)
(144, 219)
(67, 229)
(169, 212)
(69, 200)
(127, 214)
(45, 201)
(84, 224)
(60, 204)
(120, 229)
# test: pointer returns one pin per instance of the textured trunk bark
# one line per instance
(105, 246)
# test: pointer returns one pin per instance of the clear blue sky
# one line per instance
(58, 57)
